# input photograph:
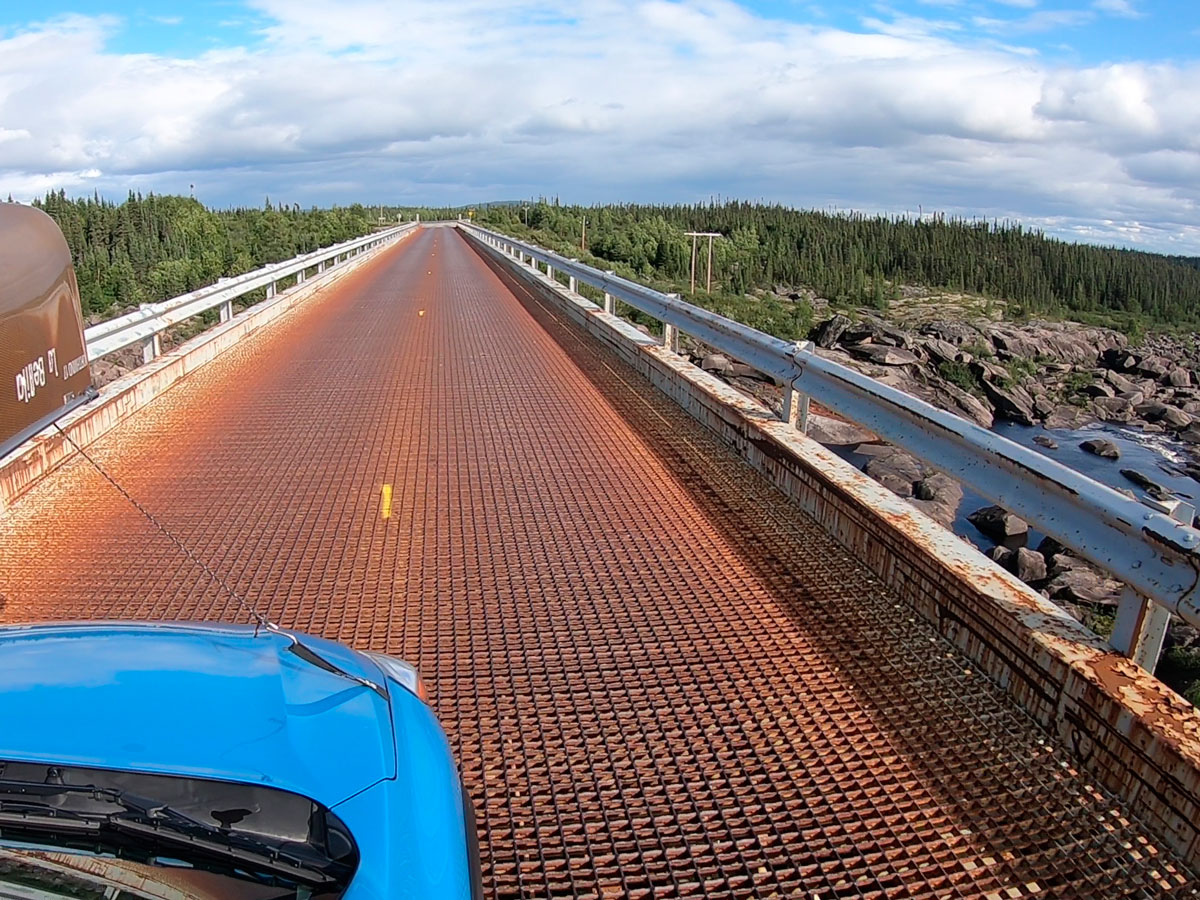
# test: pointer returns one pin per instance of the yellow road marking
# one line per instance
(385, 506)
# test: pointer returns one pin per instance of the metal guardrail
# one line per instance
(143, 326)
(1156, 556)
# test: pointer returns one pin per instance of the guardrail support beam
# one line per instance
(1140, 629)
(610, 305)
(670, 337)
(572, 285)
(795, 408)
(151, 347)
(226, 310)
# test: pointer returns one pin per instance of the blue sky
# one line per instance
(1074, 32)
(1078, 116)
(186, 28)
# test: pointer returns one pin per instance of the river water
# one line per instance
(1157, 456)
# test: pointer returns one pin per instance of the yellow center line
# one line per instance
(385, 506)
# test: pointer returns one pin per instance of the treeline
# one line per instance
(153, 247)
(861, 259)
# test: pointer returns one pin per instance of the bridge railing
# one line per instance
(144, 326)
(1155, 555)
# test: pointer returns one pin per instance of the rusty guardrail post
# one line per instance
(151, 348)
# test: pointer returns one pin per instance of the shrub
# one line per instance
(959, 375)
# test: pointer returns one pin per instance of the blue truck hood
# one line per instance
(202, 700)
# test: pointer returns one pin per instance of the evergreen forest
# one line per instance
(153, 247)
(857, 259)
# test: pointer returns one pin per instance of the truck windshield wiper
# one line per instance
(147, 825)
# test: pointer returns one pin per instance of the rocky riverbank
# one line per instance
(1060, 375)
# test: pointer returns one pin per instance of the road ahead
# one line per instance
(660, 679)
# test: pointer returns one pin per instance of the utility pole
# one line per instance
(699, 234)
(693, 234)
(583, 236)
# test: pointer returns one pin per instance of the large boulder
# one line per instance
(884, 355)
(929, 387)
(897, 471)
(869, 331)
(1049, 547)
(997, 523)
(956, 333)
(1029, 565)
(836, 432)
(1154, 366)
(1013, 403)
(970, 406)
(874, 449)
(1001, 555)
(1176, 418)
(1043, 405)
(1100, 389)
(986, 371)
(938, 496)
(1112, 409)
(1120, 382)
(940, 351)
(105, 371)
(1068, 417)
(1122, 361)
(1142, 480)
(717, 363)
(1151, 410)
(1014, 344)
(830, 331)
(1080, 583)
(1179, 377)
(1101, 447)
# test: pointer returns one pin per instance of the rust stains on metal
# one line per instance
(1149, 701)
(660, 677)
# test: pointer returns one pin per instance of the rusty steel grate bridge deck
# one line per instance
(660, 678)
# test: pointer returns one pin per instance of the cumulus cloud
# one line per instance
(612, 99)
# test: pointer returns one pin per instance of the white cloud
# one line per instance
(1037, 22)
(609, 100)
(1118, 8)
